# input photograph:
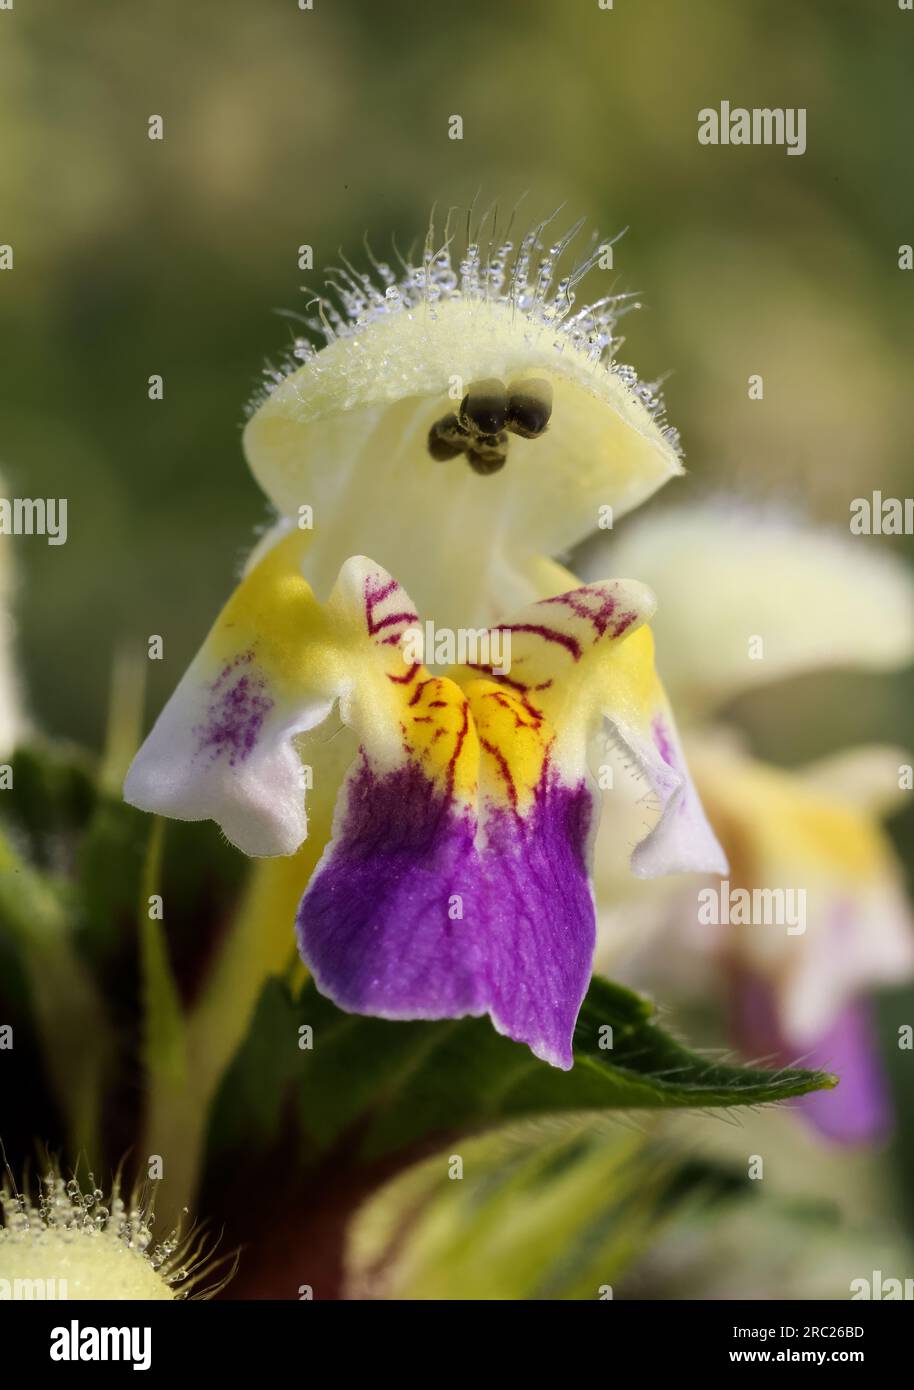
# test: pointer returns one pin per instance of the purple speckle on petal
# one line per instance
(663, 743)
(236, 711)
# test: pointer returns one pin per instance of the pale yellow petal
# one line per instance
(347, 435)
(781, 832)
(746, 597)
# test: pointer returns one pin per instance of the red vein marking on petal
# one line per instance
(599, 617)
(502, 680)
(417, 693)
(404, 617)
(536, 717)
(407, 676)
(518, 686)
(458, 746)
(548, 634)
(624, 623)
(374, 596)
(502, 765)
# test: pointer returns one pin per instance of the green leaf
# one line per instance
(50, 801)
(110, 866)
(250, 1100)
(86, 843)
(69, 1012)
(391, 1085)
(164, 1034)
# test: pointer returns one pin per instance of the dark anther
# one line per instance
(488, 454)
(446, 439)
(486, 413)
(484, 408)
(529, 407)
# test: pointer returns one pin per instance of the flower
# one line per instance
(456, 880)
(476, 361)
(76, 1243)
(816, 827)
(813, 600)
(463, 427)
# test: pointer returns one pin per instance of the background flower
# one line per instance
(785, 599)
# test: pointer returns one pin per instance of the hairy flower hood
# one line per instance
(346, 432)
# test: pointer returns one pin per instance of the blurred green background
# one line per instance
(284, 127)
